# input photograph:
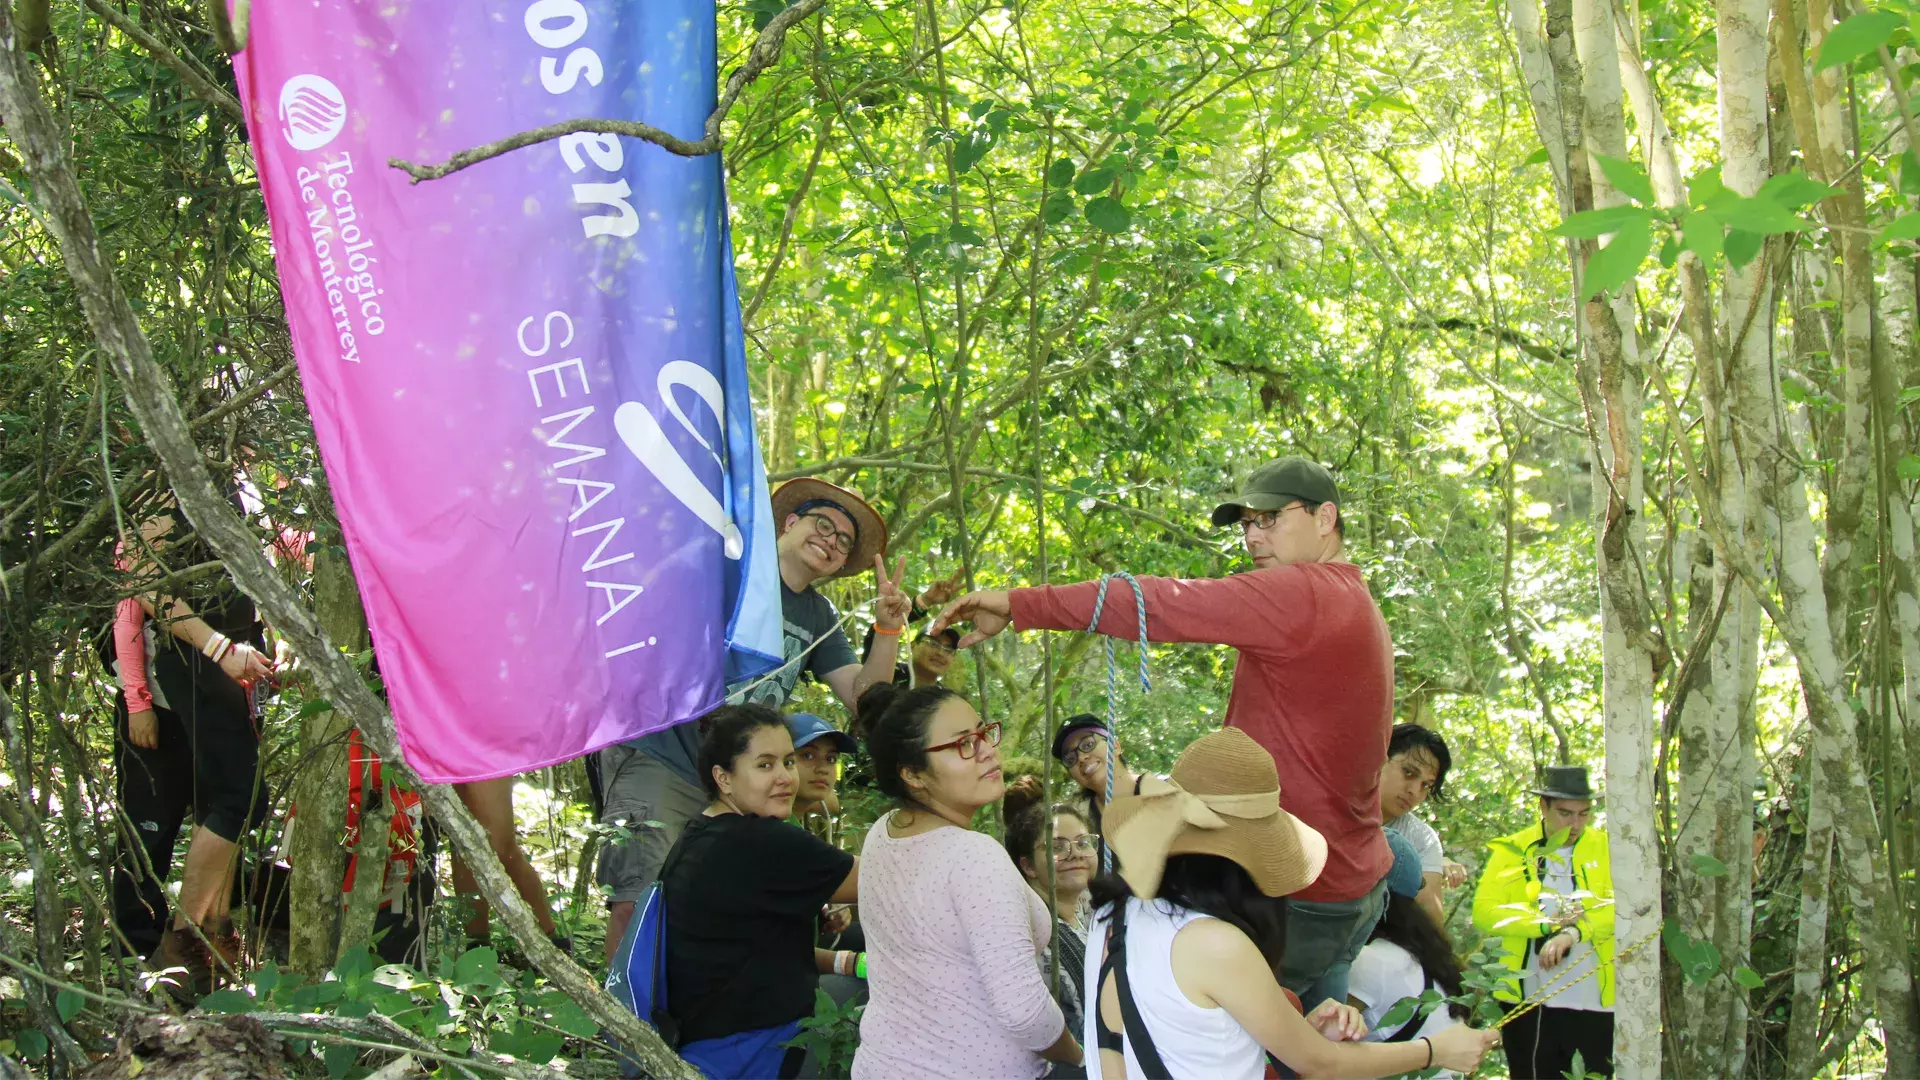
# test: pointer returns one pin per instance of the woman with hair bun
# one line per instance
(952, 929)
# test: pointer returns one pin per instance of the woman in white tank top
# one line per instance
(1204, 862)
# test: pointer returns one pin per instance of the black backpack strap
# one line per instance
(1144, 1051)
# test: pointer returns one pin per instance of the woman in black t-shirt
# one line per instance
(742, 890)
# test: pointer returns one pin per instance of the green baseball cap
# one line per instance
(1278, 483)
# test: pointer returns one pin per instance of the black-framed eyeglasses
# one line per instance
(1084, 844)
(822, 524)
(942, 644)
(969, 744)
(1264, 519)
(1081, 749)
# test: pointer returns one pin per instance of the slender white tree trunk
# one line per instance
(1628, 639)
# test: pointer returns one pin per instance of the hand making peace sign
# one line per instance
(892, 603)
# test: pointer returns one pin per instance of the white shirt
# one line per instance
(1424, 840)
(1556, 883)
(1382, 975)
(1195, 1043)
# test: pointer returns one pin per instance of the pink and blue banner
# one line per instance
(527, 379)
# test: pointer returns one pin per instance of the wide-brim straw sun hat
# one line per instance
(872, 529)
(1223, 799)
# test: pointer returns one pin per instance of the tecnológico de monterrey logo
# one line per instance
(312, 111)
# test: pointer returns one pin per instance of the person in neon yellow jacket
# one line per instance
(1547, 895)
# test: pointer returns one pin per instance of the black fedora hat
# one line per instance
(1566, 782)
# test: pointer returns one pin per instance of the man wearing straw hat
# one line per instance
(1313, 686)
(651, 785)
(1547, 894)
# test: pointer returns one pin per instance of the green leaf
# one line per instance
(1758, 215)
(1904, 227)
(1627, 178)
(1908, 396)
(1614, 265)
(540, 1047)
(1538, 157)
(1909, 467)
(1700, 233)
(1742, 246)
(315, 707)
(1705, 187)
(1100, 179)
(1401, 1012)
(1748, 978)
(477, 967)
(1794, 190)
(1855, 38)
(32, 1043)
(1910, 173)
(1592, 223)
(1073, 262)
(1060, 173)
(968, 150)
(68, 1004)
(1108, 214)
(965, 235)
(1698, 960)
(341, 1058)
(229, 1001)
(266, 979)
(1058, 207)
(1708, 866)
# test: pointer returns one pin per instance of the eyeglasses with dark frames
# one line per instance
(1081, 749)
(1265, 519)
(969, 744)
(822, 524)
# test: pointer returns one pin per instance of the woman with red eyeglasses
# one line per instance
(952, 928)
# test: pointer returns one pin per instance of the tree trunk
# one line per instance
(1801, 617)
(1611, 385)
(319, 861)
(1824, 145)
(116, 328)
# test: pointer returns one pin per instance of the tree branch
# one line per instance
(764, 52)
(203, 88)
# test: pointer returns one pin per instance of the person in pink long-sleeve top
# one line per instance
(952, 929)
(1313, 685)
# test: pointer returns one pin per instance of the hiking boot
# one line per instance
(182, 948)
(228, 964)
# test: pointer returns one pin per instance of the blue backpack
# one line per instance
(637, 977)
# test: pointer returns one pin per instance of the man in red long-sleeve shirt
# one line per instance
(1313, 684)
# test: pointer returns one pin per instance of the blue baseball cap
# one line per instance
(807, 727)
(1405, 878)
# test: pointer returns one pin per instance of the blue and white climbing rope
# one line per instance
(1113, 681)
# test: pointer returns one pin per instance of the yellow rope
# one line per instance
(1551, 990)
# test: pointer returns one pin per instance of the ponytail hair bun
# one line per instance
(1024, 793)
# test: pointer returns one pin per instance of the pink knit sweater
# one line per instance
(952, 932)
